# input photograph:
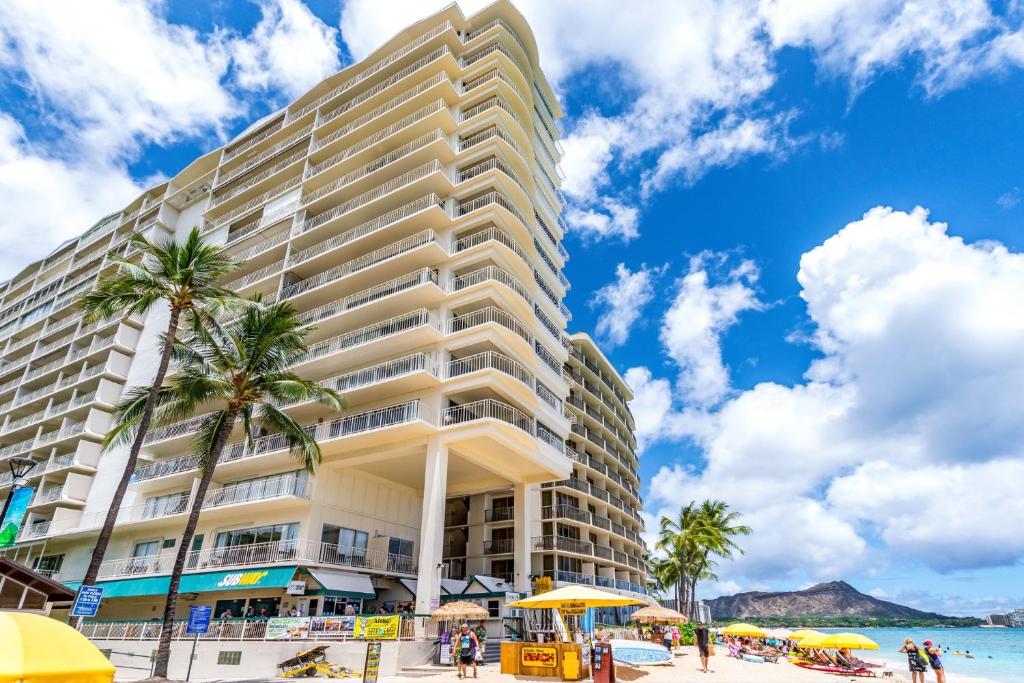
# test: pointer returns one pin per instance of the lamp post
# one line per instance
(20, 467)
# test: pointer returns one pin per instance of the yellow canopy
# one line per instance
(39, 649)
(854, 641)
(803, 633)
(815, 640)
(569, 596)
(748, 630)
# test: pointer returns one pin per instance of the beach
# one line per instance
(685, 669)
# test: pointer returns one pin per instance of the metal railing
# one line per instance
(257, 178)
(490, 314)
(276, 486)
(488, 359)
(245, 144)
(502, 546)
(399, 284)
(502, 514)
(572, 545)
(384, 133)
(263, 156)
(487, 408)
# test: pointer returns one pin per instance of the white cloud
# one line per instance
(49, 199)
(290, 49)
(608, 219)
(904, 443)
(1009, 199)
(623, 302)
(700, 313)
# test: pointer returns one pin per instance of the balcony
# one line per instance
(504, 546)
(287, 484)
(487, 409)
(484, 360)
(572, 545)
(258, 554)
(491, 314)
(505, 514)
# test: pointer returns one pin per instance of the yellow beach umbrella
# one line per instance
(571, 596)
(853, 641)
(39, 649)
(748, 630)
(803, 633)
(815, 640)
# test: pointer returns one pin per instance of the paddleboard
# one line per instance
(639, 652)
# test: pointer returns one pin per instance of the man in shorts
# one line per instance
(700, 639)
(468, 645)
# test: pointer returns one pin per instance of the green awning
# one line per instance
(239, 579)
(344, 583)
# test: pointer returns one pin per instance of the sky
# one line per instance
(794, 227)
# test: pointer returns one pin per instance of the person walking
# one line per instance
(666, 638)
(468, 645)
(675, 636)
(934, 653)
(917, 660)
(700, 639)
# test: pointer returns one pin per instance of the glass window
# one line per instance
(345, 538)
(146, 549)
(400, 546)
(262, 534)
(48, 564)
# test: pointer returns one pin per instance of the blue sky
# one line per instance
(742, 181)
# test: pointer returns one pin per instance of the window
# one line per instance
(346, 539)
(262, 534)
(48, 564)
(146, 549)
(493, 609)
(400, 546)
(169, 542)
(158, 506)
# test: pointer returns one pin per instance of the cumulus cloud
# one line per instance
(910, 416)
(695, 81)
(290, 49)
(623, 302)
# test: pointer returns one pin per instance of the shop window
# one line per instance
(229, 657)
(229, 609)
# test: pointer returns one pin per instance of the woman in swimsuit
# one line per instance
(934, 655)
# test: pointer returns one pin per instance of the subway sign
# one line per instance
(242, 579)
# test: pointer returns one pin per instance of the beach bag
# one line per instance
(711, 649)
(923, 659)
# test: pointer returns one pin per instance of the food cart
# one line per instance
(565, 658)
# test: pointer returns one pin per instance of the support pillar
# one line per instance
(435, 484)
(523, 545)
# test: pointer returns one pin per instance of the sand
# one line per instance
(685, 668)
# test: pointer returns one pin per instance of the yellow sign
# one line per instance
(573, 609)
(540, 657)
(377, 628)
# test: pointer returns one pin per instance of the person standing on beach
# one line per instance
(934, 653)
(916, 660)
(700, 638)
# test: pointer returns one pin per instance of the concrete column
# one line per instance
(435, 484)
(524, 513)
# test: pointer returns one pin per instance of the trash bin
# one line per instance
(570, 665)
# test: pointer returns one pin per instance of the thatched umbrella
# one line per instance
(656, 614)
(459, 610)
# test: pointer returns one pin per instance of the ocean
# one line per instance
(998, 652)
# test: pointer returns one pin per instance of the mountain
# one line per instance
(833, 599)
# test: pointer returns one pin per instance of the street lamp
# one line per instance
(20, 467)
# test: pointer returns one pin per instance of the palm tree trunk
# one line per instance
(693, 599)
(133, 457)
(164, 648)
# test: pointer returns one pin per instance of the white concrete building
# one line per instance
(408, 207)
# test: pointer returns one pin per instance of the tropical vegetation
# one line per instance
(690, 545)
(181, 276)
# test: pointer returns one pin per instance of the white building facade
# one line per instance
(408, 207)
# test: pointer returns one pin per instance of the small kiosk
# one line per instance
(568, 657)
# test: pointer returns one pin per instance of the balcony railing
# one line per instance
(288, 484)
(503, 514)
(490, 314)
(371, 333)
(487, 408)
(399, 284)
(504, 546)
(263, 156)
(488, 360)
(572, 545)
(258, 554)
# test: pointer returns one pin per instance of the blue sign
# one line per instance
(199, 619)
(87, 602)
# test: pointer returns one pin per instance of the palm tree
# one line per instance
(242, 367)
(715, 528)
(182, 275)
(691, 542)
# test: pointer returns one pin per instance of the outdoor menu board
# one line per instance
(372, 665)
(378, 628)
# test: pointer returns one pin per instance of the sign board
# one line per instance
(378, 628)
(332, 627)
(87, 602)
(199, 619)
(372, 665)
(287, 628)
(296, 588)
(10, 525)
(445, 654)
(572, 609)
(539, 657)
(512, 597)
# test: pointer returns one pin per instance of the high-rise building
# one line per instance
(408, 207)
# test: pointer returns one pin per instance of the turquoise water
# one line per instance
(1004, 645)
